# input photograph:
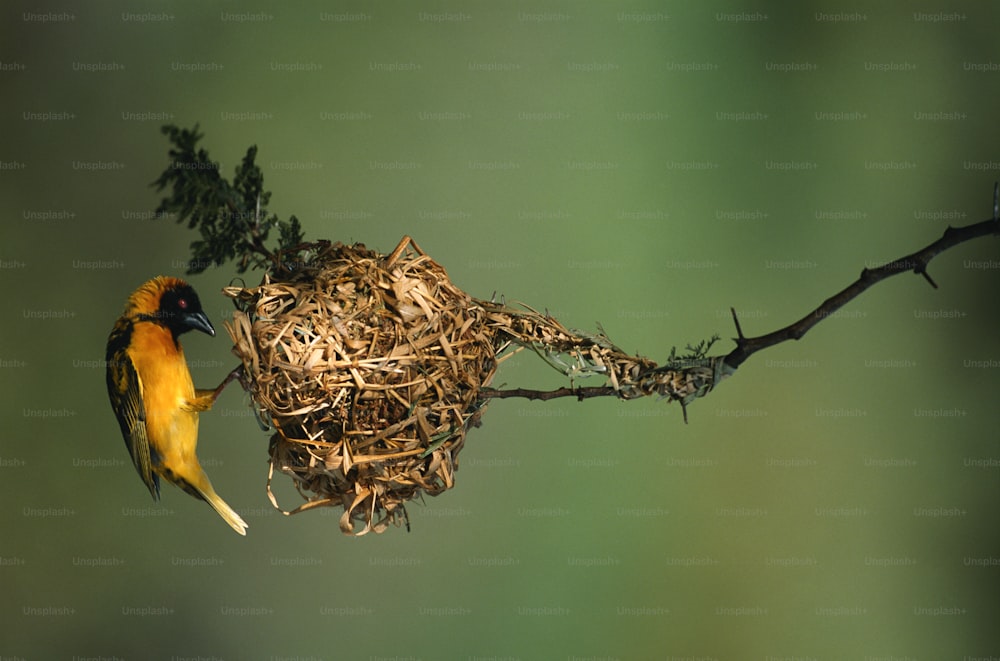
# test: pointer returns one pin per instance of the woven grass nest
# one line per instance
(370, 367)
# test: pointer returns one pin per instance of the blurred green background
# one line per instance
(642, 165)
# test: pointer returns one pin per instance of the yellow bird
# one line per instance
(152, 394)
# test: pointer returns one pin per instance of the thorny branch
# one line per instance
(747, 346)
(916, 262)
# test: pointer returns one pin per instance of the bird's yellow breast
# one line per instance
(166, 389)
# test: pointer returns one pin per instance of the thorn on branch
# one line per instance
(739, 331)
(996, 201)
(923, 271)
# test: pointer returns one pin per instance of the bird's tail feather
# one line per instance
(196, 483)
(225, 511)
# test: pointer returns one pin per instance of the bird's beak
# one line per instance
(198, 321)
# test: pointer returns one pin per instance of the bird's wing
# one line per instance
(125, 391)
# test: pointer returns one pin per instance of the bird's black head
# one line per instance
(180, 310)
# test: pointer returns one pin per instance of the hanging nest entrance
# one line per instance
(370, 369)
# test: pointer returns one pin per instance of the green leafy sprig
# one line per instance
(231, 217)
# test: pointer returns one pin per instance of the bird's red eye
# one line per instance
(182, 303)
